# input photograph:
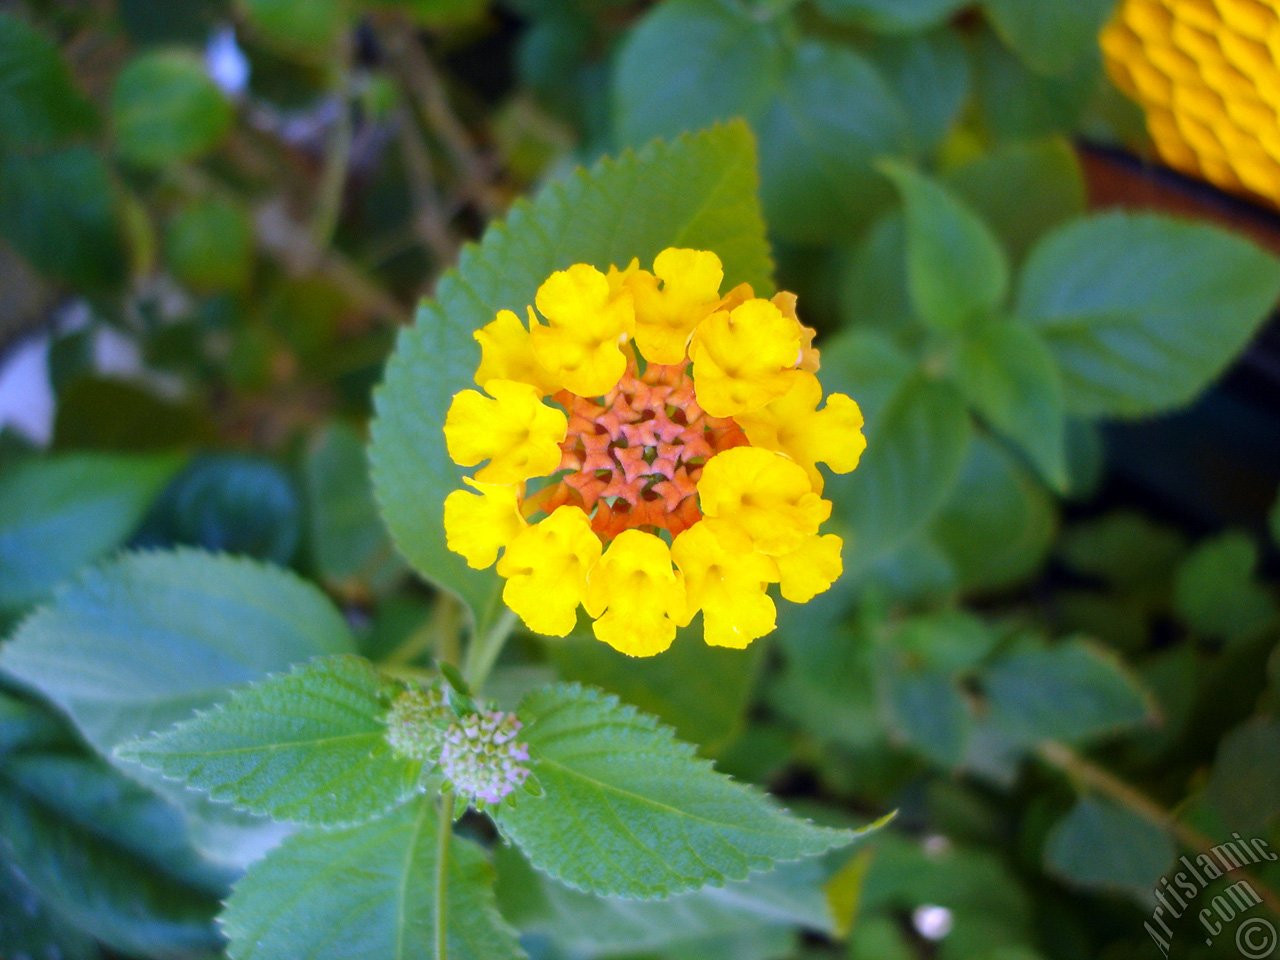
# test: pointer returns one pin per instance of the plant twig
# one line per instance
(337, 162)
(430, 225)
(482, 652)
(444, 838)
(1077, 767)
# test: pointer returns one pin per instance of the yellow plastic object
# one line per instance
(1207, 73)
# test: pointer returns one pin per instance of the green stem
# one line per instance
(482, 652)
(333, 178)
(444, 837)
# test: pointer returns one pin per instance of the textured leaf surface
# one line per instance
(822, 113)
(308, 746)
(630, 811)
(366, 893)
(1142, 312)
(139, 644)
(698, 191)
(57, 515)
(1071, 691)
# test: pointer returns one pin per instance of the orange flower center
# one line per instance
(634, 456)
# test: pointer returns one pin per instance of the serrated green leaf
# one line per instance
(1100, 844)
(1052, 36)
(629, 811)
(957, 272)
(700, 690)
(1011, 379)
(165, 109)
(308, 746)
(698, 191)
(1022, 190)
(1144, 311)
(999, 524)
(39, 104)
(1244, 784)
(891, 16)
(916, 449)
(821, 112)
(139, 644)
(1073, 691)
(367, 893)
(1216, 591)
(106, 854)
(61, 513)
(586, 926)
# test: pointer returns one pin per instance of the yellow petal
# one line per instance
(636, 595)
(546, 568)
(744, 359)
(479, 525)
(809, 355)
(515, 431)
(507, 354)
(794, 425)
(581, 344)
(726, 579)
(810, 569)
(666, 317)
(763, 493)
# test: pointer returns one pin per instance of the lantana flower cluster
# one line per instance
(648, 448)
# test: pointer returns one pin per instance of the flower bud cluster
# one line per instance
(482, 758)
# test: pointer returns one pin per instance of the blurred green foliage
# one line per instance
(1058, 686)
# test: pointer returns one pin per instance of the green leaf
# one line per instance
(60, 513)
(930, 74)
(165, 109)
(1073, 691)
(587, 926)
(1273, 521)
(629, 811)
(702, 691)
(39, 104)
(308, 746)
(367, 893)
(349, 545)
(1052, 36)
(891, 16)
(105, 854)
(821, 112)
(1022, 190)
(304, 26)
(698, 191)
(32, 928)
(956, 271)
(1245, 782)
(916, 449)
(930, 711)
(1015, 103)
(952, 642)
(139, 644)
(1143, 311)
(1217, 593)
(24, 724)
(873, 283)
(1103, 845)
(209, 245)
(58, 209)
(1125, 549)
(1010, 378)
(1000, 522)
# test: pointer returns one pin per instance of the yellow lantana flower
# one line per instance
(674, 414)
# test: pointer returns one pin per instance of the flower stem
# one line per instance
(444, 840)
(482, 652)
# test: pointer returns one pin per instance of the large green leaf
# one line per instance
(698, 191)
(33, 928)
(1100, 844)
(957, 272)
(60, 513)
(139, 644)
(106, 854)
(1143, 311)
(587, 926)
(308, 746)
(1011, 379)
(39, 104)
(1072, 691)
(821, 112)
(1052, 36)
(702, 691)
(629, 811)
(367, 893)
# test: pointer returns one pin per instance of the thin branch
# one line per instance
(482, 652)
(1077, 767)
(430, 224)
(444, 837)
(337, 162)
